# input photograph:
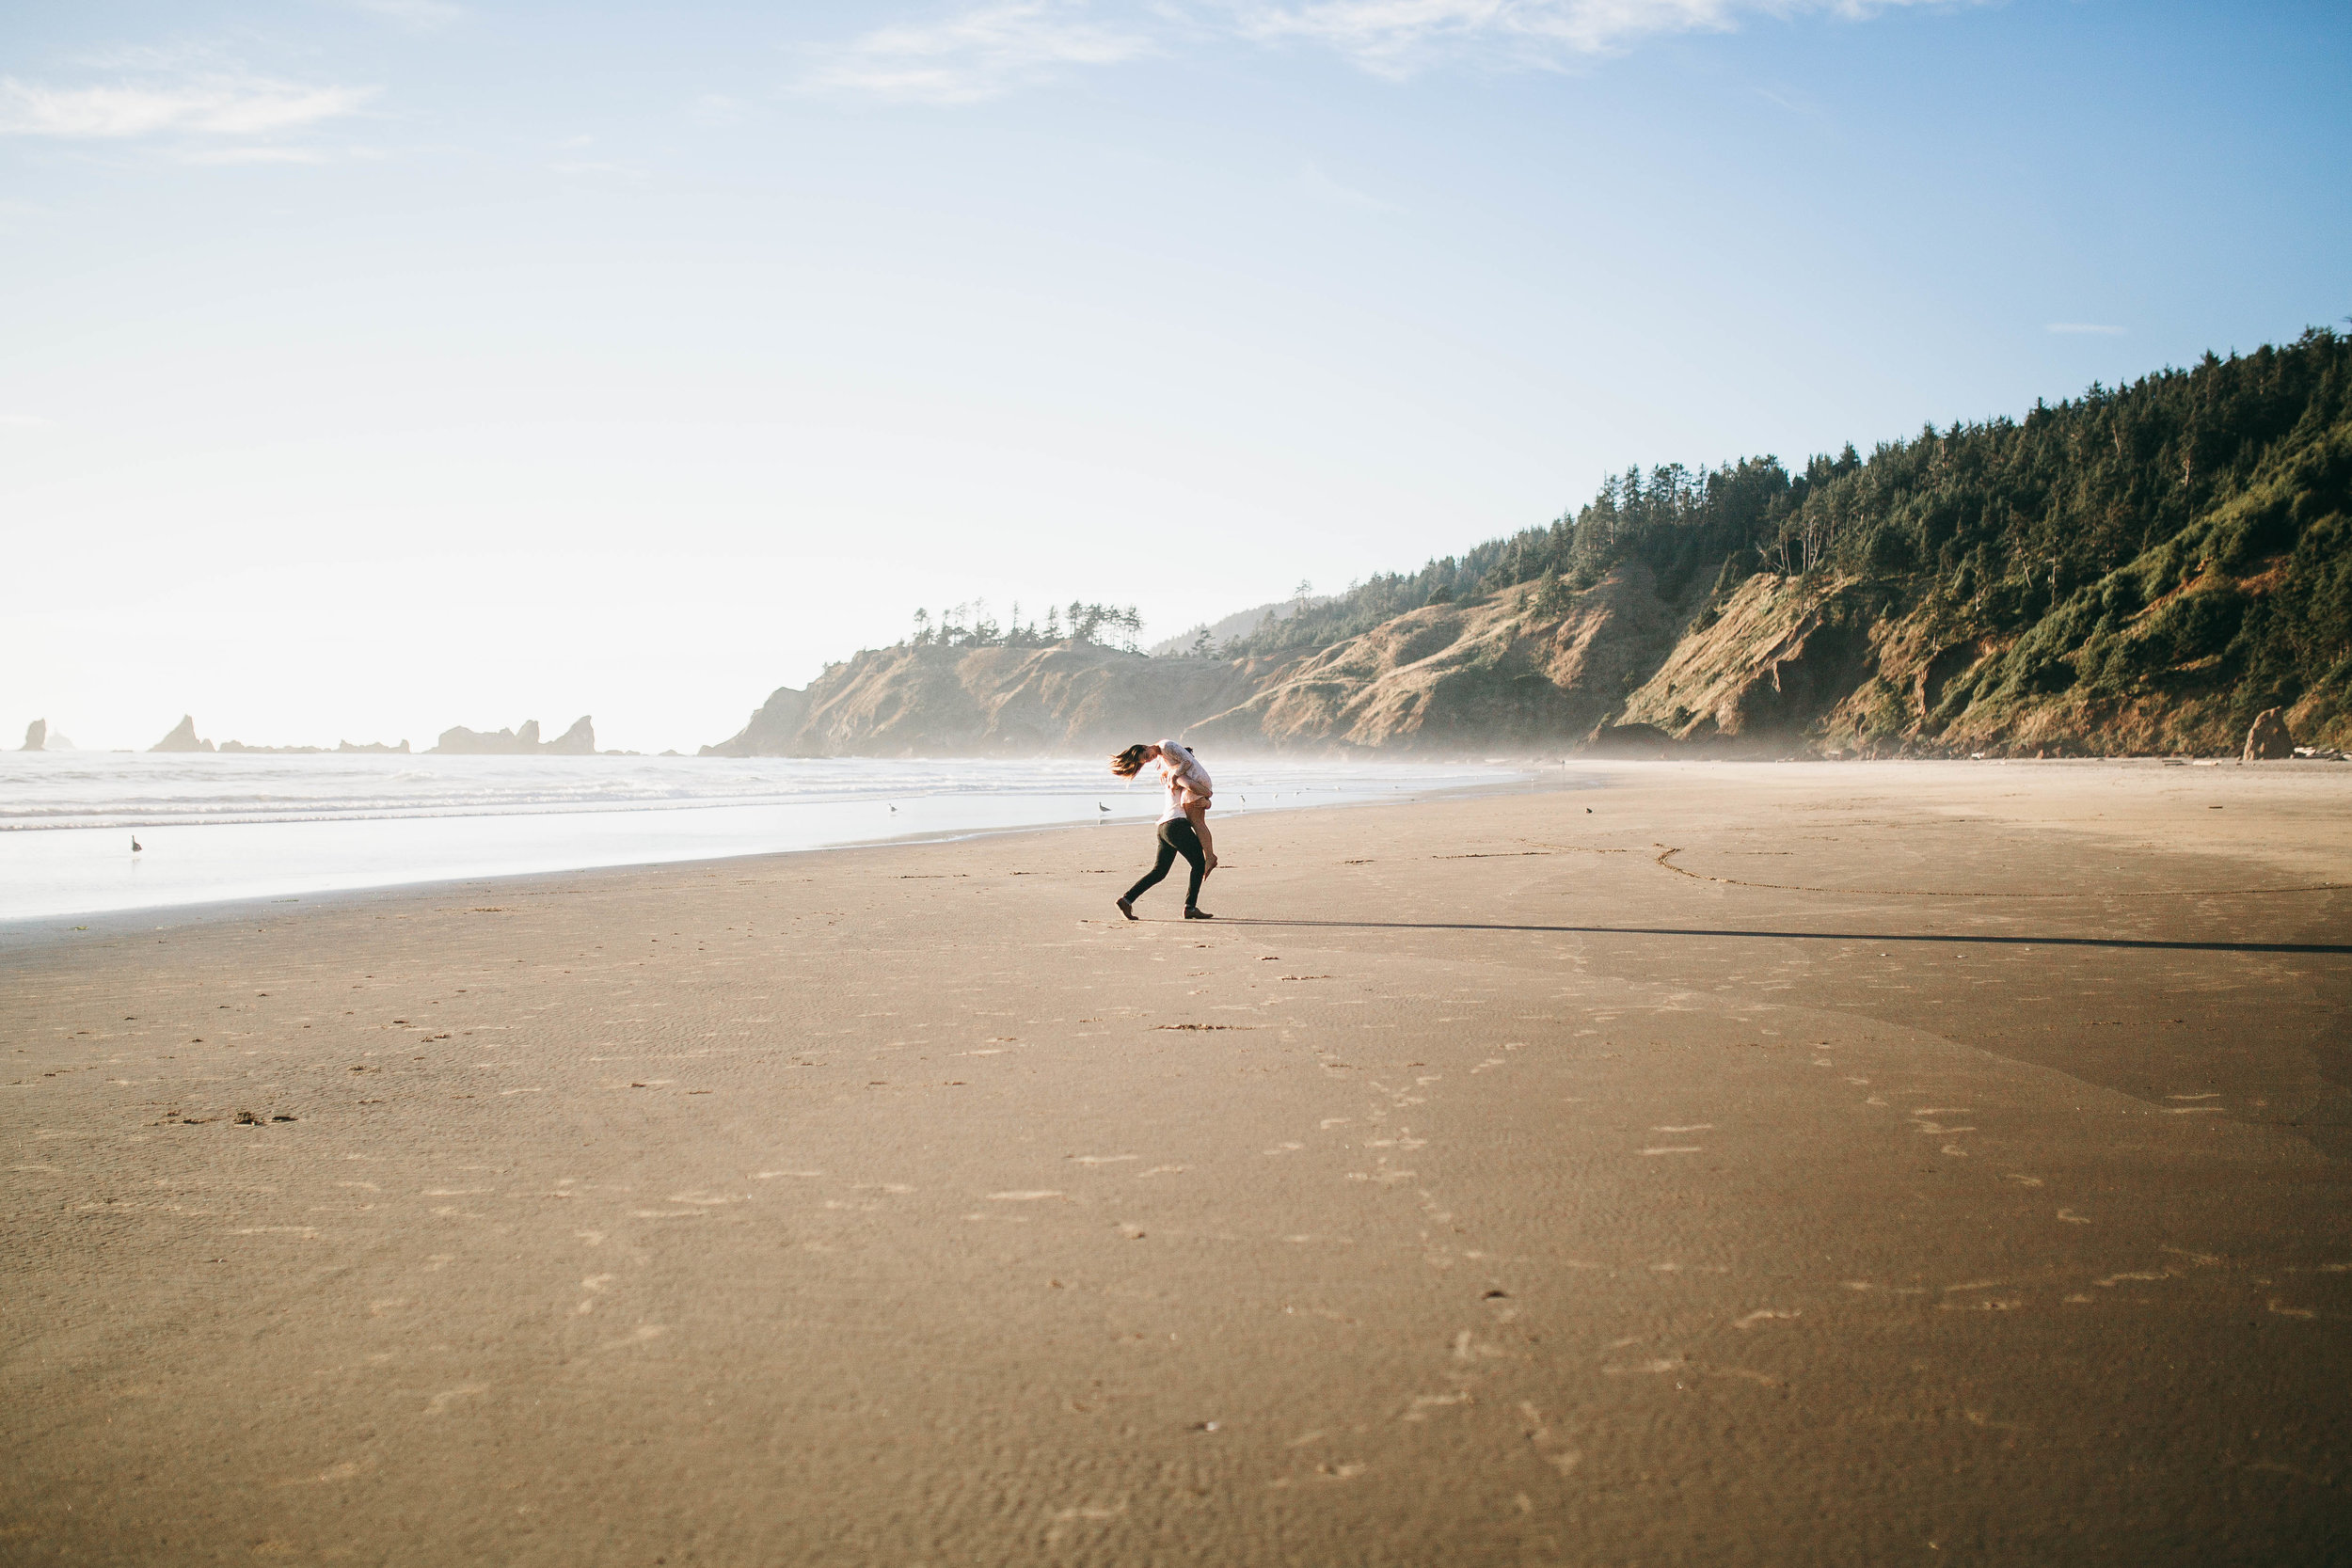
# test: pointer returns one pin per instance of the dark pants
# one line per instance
(1176, 838)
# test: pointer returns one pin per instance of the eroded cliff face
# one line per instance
(1758, 671)
(1840, 666)
(1501, 670)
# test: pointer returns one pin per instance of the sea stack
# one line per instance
(182, 737)
(460, 741)
(36, 735)
(580, 740)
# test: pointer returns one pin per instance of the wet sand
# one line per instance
(1721, 1164)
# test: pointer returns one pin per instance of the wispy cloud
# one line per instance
(211, 106)
(977, 54)
(986, 49)
(26, 421)
(2080, 328)
(1398, 38)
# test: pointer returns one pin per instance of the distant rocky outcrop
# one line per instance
(578, 741)
(36, 735)
(339, 748)
(773, 730)
(182, 737)
(2268, 740)
(461, 741)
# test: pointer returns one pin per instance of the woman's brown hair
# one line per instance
(1128, 763)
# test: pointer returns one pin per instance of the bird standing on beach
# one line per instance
(135, 845)
(1099, 806)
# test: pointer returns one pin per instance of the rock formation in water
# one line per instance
(182, 737)
(578, 741)
(36, 735)
(340, 746)
(461, 741)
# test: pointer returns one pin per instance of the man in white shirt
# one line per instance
(1184, 826)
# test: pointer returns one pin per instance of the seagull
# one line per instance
(135, 845)
(894, 811)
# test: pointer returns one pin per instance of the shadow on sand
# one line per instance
(2126, 942)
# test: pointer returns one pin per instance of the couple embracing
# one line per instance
(1184, 822)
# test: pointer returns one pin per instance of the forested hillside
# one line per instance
(2140, 569)
(2143, 568)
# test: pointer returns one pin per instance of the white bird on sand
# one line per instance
(135, 845)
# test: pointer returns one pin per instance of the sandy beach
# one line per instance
(1708, 1164)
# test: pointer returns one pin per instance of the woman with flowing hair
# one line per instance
(1184, 827)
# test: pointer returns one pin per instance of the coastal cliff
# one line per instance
(2142, 570)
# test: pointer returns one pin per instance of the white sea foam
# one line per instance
(233, 826)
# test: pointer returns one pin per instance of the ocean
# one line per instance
(214, 827)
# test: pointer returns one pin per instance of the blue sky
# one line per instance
(376, 366)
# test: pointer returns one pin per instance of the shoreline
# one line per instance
(25, 933)
(30, 933)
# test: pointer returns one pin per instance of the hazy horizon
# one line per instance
(380, 366)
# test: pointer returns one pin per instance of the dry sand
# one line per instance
(1935, 1163)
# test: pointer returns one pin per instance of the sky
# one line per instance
(369, 367)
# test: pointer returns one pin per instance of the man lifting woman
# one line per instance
(1184, 827)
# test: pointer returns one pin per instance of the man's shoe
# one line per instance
(1126, 909)
(1191, 913)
